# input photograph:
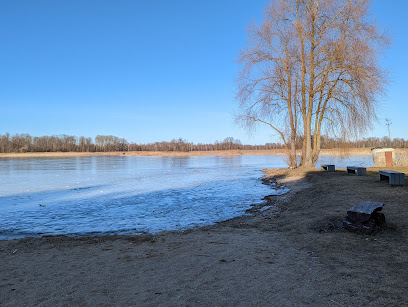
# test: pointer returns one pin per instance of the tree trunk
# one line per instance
(292, 154)
(316, 149)
(307, 144)
(308, 158)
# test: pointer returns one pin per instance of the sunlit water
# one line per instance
(131, 195)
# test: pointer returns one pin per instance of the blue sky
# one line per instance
(147, 70)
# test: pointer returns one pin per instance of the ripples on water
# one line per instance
(129, 195)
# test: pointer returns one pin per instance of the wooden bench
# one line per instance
(360, 171)
(394, 178)
(328, 167)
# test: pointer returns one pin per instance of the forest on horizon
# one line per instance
(20, 143)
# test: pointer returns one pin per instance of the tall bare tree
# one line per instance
(312, 66)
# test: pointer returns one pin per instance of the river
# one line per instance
(132, 195)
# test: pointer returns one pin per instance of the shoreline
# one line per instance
(324, 152)
(288, 254)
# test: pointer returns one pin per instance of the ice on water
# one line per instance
(127, 195)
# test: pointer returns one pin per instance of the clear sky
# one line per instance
(148, 70)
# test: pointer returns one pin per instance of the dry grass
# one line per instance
(342, 152)
(146, 153)
(401, 159)
(370, 269)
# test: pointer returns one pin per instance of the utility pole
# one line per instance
(388, 124)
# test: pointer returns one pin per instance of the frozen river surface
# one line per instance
(131, 195)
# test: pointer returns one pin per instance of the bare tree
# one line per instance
(27, 143)
(268, 83)
(312, 66)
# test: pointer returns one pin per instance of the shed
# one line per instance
(383, 156)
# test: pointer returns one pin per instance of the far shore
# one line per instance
(324, 152)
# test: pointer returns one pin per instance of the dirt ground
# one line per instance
(291, 254)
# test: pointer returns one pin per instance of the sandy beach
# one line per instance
(288, 253)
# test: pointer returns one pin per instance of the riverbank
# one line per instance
(289, 254)
(351, 151)
(324, 152)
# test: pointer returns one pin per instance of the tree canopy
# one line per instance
(312, 66)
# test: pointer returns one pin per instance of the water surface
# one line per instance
(131, 195)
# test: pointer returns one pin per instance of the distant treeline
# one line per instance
(183, 145)
(370, 142)
(63, 143)
(103, 143)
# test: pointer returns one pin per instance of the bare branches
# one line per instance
(313, 63)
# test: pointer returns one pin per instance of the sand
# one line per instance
(288, 255)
